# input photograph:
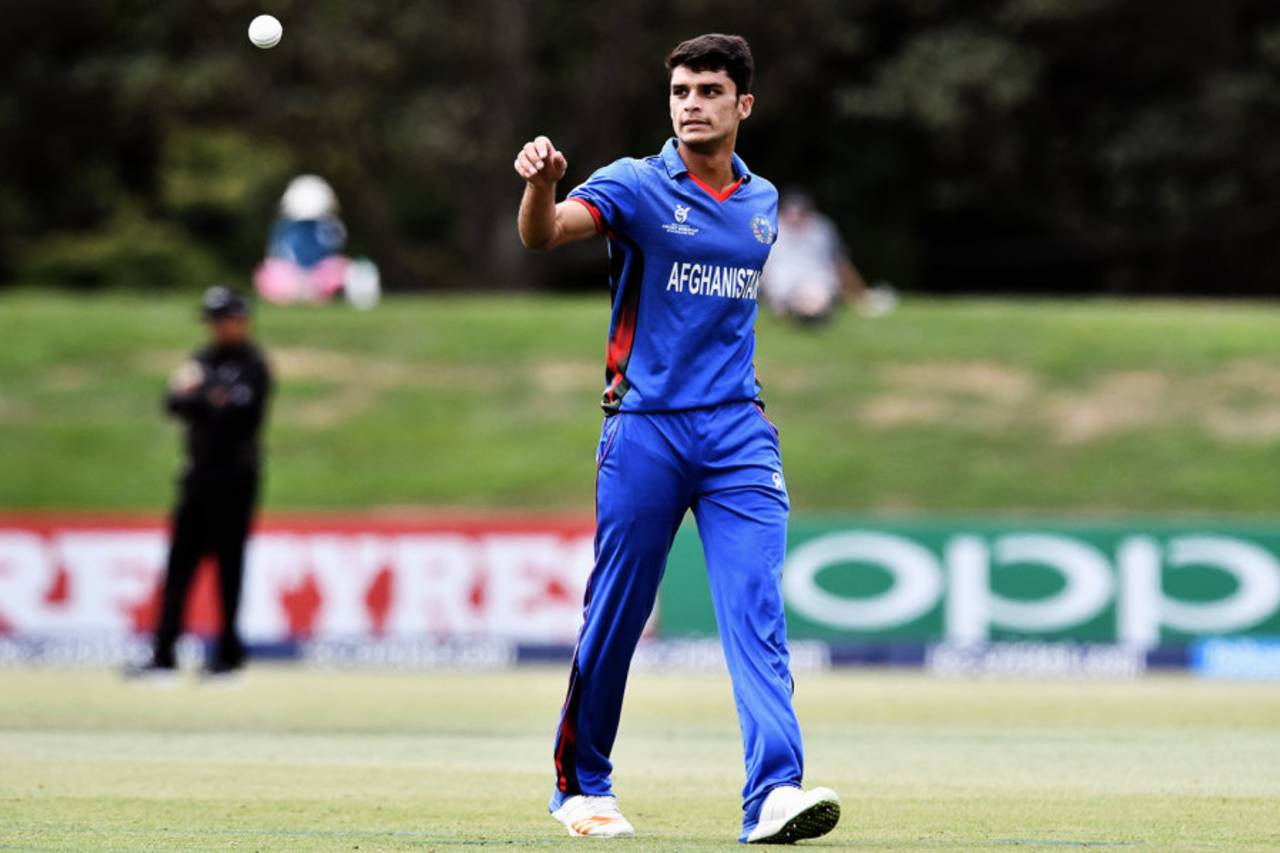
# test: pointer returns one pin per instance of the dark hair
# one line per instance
(797, 196)
(716, 52)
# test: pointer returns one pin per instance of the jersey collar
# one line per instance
(676, 167)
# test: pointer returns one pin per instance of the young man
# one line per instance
(689, 230)
(221, 395)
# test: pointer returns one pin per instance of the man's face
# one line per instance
(229, 331)
(794, 213)
(705, 107)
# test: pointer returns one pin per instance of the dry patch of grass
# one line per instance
(356, 383)
(1239, 402)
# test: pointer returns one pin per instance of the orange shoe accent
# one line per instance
(582, 827)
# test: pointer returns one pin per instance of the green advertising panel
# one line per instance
(1144, 585)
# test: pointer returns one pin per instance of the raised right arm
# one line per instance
(543, 223)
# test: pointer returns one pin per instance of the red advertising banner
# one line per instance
(313, 577)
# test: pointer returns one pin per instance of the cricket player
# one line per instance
(689, 230)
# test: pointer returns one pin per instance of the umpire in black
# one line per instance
(221, 395)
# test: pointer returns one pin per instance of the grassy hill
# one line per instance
(952, 406)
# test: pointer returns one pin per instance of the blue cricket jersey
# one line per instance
(306, 242)
(685, 263)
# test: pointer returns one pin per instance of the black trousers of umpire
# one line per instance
(213, 516)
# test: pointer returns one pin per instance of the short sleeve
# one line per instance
(610, 195)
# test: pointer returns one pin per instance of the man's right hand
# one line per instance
(543, 223)
(187, 378)
(540, 163)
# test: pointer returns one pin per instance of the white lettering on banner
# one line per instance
(109, 577)
(79, 581)
(1256, 572)
(1256, 597)
(917, 580)
(535, 592)
(441, 590)
(1091, 584)
(346, 568)
(274, 588)
(973, 607)
(525, 587)
(26, 573)
(968, 607)
(1086, 572)
(1138, 598)
(1036, 660)
(528, 586)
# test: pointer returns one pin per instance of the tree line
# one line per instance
(1027, 146)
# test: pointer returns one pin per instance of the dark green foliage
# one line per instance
(1045, 145)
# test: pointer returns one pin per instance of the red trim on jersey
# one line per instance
(567, 737)
(772, 425)
(620, 344)
(613, 386)
(719, 195)
(593, 210)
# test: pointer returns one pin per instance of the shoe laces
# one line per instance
(780, 801)
(602, 806)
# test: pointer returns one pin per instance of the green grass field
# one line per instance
(1084, 407)
(306, 760)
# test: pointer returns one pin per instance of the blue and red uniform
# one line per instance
(684, 430)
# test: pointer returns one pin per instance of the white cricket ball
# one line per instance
(265, 31)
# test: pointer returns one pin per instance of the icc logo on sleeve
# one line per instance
(682, 213)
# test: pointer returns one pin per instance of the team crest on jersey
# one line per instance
(761, 227)
(682, 213)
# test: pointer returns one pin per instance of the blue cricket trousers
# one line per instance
(723, 462)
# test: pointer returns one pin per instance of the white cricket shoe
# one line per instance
(151, 675)
(595, 817)
(790, 814)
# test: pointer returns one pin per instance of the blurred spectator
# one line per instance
(809, 272)
(221, 395)
(304, 260)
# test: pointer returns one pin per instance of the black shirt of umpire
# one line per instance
(224, 415)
